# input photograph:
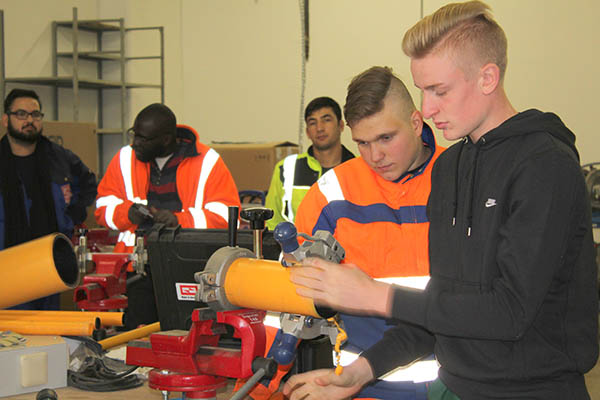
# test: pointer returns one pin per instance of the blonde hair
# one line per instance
(467, 30)
(368, 90)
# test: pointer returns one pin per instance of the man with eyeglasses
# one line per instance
(44, 188)
(165, 176)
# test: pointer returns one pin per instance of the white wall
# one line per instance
(233, 67)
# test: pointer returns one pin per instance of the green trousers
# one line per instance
(438, 391)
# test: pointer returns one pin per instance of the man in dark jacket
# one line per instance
(512, 300)
(44, 188)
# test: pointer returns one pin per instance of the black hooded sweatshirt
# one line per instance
(512, 300)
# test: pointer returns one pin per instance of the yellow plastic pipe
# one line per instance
(129, 335)
(265, 285)
(90, 319)
(36, 269)
(106, 318)
(32, 327)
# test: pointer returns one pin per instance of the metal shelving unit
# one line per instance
(97, 27)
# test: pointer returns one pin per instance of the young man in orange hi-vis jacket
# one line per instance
(165, 176)
(374, 205)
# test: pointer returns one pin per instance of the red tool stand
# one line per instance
(194, 363)
(104, 289)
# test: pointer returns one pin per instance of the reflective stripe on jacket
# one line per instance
(204, 185)
(292, 178)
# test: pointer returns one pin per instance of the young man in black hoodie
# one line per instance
(512, 299)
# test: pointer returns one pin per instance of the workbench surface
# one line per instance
(141, 393)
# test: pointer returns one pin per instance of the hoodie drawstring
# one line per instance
(471, 185)
(455, 203)
(472, 191)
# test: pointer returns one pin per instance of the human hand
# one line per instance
(342, 287)
(325, 384)
(138, 213)
(163, 216)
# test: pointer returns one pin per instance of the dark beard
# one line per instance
(325, 147)
(32, 137)
(149, 151)
(146, 154)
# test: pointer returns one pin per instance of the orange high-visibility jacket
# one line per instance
(383, 227)
(204, 185)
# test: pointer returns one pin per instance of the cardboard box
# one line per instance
(251, 164)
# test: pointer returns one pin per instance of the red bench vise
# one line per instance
(194, 363)
(104, 289)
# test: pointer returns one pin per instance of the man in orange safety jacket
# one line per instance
(165, 176)
(375, 206)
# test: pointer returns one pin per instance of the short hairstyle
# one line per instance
(163, 118)
(368, 90)
(461, 28)
(322, 102)
(17, 93)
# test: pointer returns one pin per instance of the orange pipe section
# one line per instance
(130, 335)
(29, 327)
(36, 269)
(90, 319)
(265, 285)
(106, 318)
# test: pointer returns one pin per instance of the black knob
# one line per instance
(257, 216)
(269, 365)
(46, 394)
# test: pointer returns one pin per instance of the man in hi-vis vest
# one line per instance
(375, 205)
(295, 174)
(165, 176)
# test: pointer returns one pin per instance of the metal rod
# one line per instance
(143, 58)
(55, 68)
(143, 28)
(99, 107)
(248, 385)
(2, 65)
(162, 65)
(257, 236)
(123, 88)
(232, 225)
(75, 66)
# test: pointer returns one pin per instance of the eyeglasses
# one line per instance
(131, 134)
(22, 115)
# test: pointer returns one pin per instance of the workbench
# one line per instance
(141, 393)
